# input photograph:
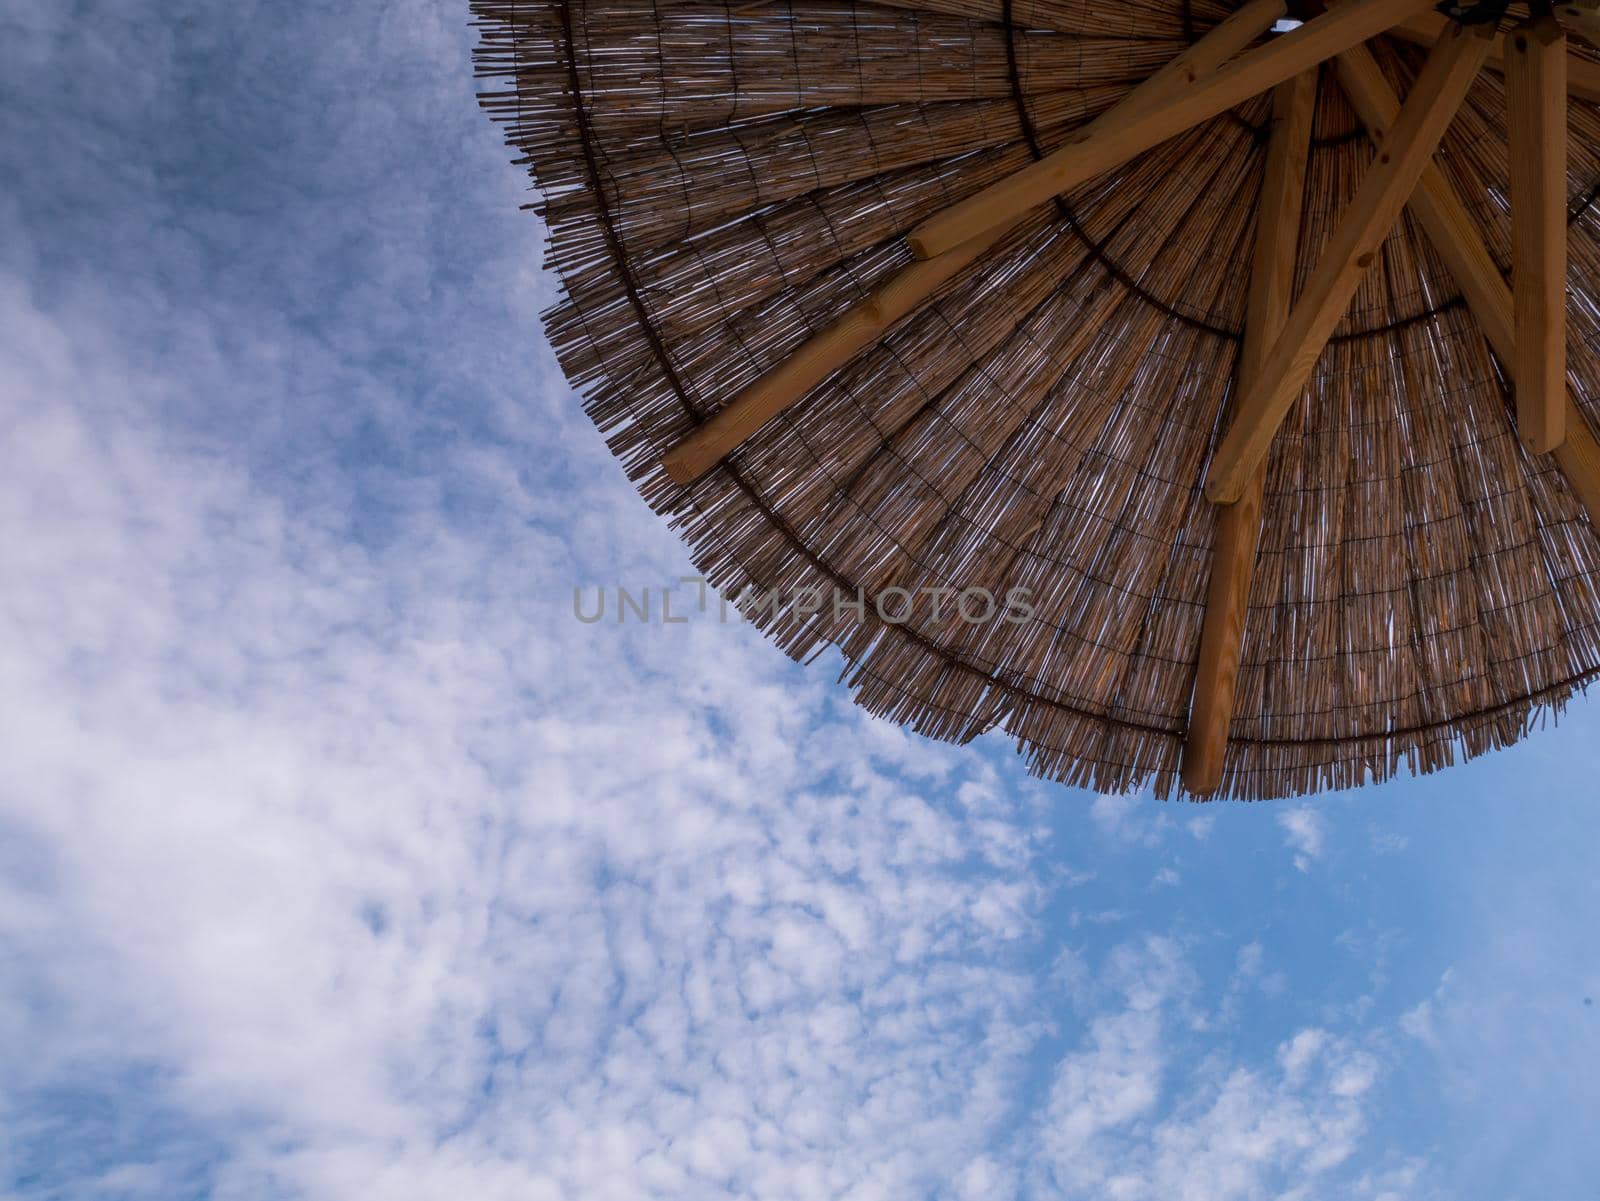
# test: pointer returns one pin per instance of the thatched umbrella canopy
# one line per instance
(1190, 327)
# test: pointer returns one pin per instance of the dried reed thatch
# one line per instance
(722, 182)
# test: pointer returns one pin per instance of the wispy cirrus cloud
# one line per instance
(1119, 1124)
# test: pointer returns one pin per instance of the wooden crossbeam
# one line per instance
(862, 324)
(1092, 153)
(1239, 525)
(1583, 76)
(1402, 155)
(1582, 17)
(1176, 98)
(1536, 104)
(1459, 244)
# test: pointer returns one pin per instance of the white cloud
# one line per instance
(1131, 819)
(1418, 1023)
(1305, 832)
(1389, 842)
(1078, 918)
(1300, 1051)
(1131, 1117)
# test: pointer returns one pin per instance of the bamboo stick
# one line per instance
(1402, 156)
(1456, 238)
(1536, 103)
(1102, 147)
(816, 359)
(862, 324)
(1239, 525)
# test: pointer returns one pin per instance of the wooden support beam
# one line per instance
(1582, 17)
(1239, 525)
(1536, 103)
(1104, 146)
(1579, 460)
(862, 324)
(1583, 76)
(1455, 236)
(1446, 221)
(1402, 155)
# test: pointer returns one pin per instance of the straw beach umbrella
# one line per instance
(1242, 355)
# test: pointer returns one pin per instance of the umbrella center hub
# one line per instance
(1479, 12)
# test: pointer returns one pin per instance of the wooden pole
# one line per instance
(1100, 149)
(1239, 525)
(1455, 236)
(1402, 155)
(862, 324)
(1536, 104)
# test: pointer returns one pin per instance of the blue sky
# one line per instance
(337, 859)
